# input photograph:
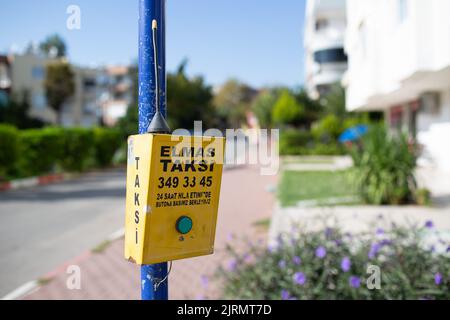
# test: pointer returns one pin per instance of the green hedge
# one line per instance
(77, 149)
(39, 151)
(9, 149)
(294, 141)
(297, 142)
(106, 143)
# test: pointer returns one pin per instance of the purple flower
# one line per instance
(338, 242)
(380, 232)
(354, 282)
(321, 252)
(282, 264)
(230, 236)
(300, 278)
(272, 248)
(438, 278)
(374, 250)
(247, 257)
(280, 240)
(285, 295)
(204, 279)
(385, 242)
(328, 232)
(429, 224)
(346, 264)
(448, 249)
(232, 265)
(297, 260)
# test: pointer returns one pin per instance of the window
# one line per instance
(321, 24)
(89, 83)
(39, 101)
(330, 55)
(402, 10)
(38, 73)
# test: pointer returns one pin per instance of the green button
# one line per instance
(184, 225)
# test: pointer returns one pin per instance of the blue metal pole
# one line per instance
(150, 10)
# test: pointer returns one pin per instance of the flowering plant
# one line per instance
(330, 264)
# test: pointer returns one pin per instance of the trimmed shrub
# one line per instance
(107, 142)
(77, 149)
(327, 129)
(392, 264)
(9, 149)
(297, 142)
(40, 149)
(294, 142)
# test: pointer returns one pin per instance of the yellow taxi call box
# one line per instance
(172, 198)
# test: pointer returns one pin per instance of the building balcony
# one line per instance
(333, 55)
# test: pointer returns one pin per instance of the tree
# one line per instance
(15, 111)
(128, 125)
(189, 100)
(334, 101)
(312, 108)
(54, 43)
(287, 110)
(263, 105)
(233, 101)
(328, 128)
(59, 86)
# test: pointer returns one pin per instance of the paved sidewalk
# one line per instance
(245, 199)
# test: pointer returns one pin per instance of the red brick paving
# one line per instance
(245, 199)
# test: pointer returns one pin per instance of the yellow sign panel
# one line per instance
(173, 187)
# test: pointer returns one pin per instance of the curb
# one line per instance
(33, 182)
(49, 179)
(32, 286)
(22, 291)
(55, 178)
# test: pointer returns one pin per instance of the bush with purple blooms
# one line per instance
(332, 265)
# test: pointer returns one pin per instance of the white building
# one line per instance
(84, 108)
(118, 82)
(399, 63)
(102, 95)
(28, 77)
(325, 59)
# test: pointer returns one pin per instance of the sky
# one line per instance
(259, 42)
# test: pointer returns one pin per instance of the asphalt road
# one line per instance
(43, 227)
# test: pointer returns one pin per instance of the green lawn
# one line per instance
(296, 186)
